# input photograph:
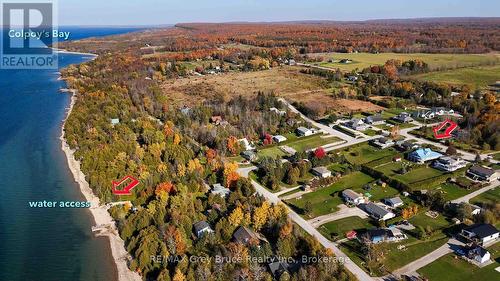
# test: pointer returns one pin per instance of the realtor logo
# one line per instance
(28, 35)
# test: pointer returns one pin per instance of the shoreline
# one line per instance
(102, 218)
(63, 51)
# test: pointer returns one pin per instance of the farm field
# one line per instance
(326, 200)
(450, 268)
(478, 77)
(435, 61)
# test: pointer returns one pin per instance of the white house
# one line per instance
(449, 163)
(322, 172)
(357, 124)
(393, 202)
(352, 197)
(220, 190)
(382, 142)
(403, 117)
(277, 111)
(202, 227)
(279, 138)
(480, 233)
(479, 254)
(304, 132)
(480, 173)
(246, 144)
(378, 212)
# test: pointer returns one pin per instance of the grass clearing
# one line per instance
(337, 229)
(435, 61)
(366, 153)
(478, 77)
(451, 268)
(326, 200)
(489, 197)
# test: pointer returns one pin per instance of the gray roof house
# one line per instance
(356, 124)
(378, 212)
(403, 117)
(374, 119)
(393, 202)
(382, 142)
(481, 173)
(278, 268)
(303, 131)
(202, 227)
(352, 197)
(220, 190)
(249, 155)
(245, 235)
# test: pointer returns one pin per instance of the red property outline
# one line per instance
(126, 190)
(447, 133)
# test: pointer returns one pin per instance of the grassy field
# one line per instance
(305, 144)
(478, 77)
(339, 228)
(450, 268)
(326, 200)
(435, 61)
(418, 174)
(366, 153)
(489, 197)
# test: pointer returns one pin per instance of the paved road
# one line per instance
(344, 212)
(411, 268)
(322, 127)
(273, 198)
(471, 195)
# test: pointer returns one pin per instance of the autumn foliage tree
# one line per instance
(166, 187)
(230, 174)
(319, 152)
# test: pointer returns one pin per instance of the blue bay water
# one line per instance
(43, 244)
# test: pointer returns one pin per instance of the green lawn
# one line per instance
(478, 77)
(418, 174)
(309, 143)
(366, 153)
(378, 192)
(363, 60)
(421, 219)
(339, 228)
(326, 200)
(452, 191)
(489, 197)
(451, 268)
(270, 152)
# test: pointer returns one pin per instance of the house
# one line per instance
(322, 172)
(216, 119)
(345, 61)
(478, 254)
(220, 190)
(115, 121)
(423, 155)
(351, 234)
(449, 163)
(480, 233)
(186, 110)
(380, 235)
(352, 197)
(357, 124)
(247, 236)
(202, 227)
(441, 111)
(246, 144)
(278, 268)
(288, 150)
(406, 145)
(291, 62)
(382, 142)
(403, 117)
(279, 138)
(304, 132)
(374, 120)
(352, 78)
(481, 173)
(378, 212)
(393, 202)
(249, 155)
(277, 111)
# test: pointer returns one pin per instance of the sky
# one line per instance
(160, 12)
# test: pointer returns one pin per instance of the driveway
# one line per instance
(344, 212)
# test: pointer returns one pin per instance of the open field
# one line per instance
(339, 228)
(478, 77)
(450, 268)
(283, 81)
(326, 200)
(299, 144)
(366, 153)
(435, 61)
